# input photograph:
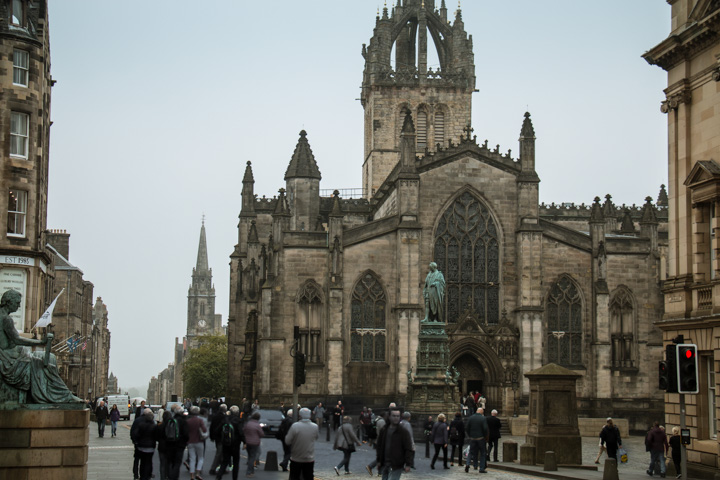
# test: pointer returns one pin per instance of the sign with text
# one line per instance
(15, 279)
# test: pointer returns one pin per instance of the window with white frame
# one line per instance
(19, 133)
(17, 13)
(17, 212)
(21, 66)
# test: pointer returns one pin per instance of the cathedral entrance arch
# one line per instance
(480, 368)
(472, 374)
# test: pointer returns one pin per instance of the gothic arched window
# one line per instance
(622, 328)
(367, 321)
(439, 128)
(421, 130)
(468, 254)
(564, 324)
(309, 310)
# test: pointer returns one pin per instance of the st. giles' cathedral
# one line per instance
(526, 284)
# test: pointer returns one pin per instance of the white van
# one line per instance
(123, 405)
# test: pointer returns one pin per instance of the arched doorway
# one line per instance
(472, 374)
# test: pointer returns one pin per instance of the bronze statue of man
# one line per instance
(25, 376)
(434, 293)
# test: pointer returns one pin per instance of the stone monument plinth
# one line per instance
(432, 389)
(553, 422)
(43, 442)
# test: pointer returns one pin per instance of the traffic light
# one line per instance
(299, 369)
(667, 379)
(687, 368)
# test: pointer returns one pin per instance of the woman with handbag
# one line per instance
(345, 440)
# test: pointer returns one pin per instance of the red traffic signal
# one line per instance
(687, 368)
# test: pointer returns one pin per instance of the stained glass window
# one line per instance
(367, 321)
(564, 324)
(467, 252)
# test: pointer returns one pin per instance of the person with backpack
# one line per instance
(176, 439)
(281, 434)
(231, 436)
(457, 438)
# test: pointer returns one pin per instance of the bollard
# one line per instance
(610, 472)
(527, 454)
(510, 451)
(550, 462)
(327, 434)
(427, 448)
(271, 463)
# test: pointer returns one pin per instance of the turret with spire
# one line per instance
(201, 318)
(302, 183)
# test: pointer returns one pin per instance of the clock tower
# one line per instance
(201, 318)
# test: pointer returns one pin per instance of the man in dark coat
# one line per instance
(281, 434)
(101, 414)
(142, 435)
(610, 438)
(394, 448)
(494, 426)
(139, 410)
(216, 422)
(657, 445)
(478, 432)
(174, 448)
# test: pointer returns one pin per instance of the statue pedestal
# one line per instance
(44, 441)
(432, 391)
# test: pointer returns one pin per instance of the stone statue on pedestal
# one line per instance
(26, 376)
(434, 293)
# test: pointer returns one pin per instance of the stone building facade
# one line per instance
(691, 57)
(100, 354)
(527, 284)
(25, 91)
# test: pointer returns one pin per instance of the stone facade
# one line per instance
(112, 384)
(25, 91)
(101, 349)
(526, 284)
(691, 56)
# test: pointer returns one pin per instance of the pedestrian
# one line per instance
(379, 425)
(216, 423)
(319, 414)
(469, 405)
(405, 423)
(281, 434)
(114, 417)
(165, 416)
(394, 449)
(478, 432)
(440, 440)
(302, 437)
(602, 449)
(176, 438)
(494, 426)
(101, 415)
(338, 414)
(253, 433)
(610, 439)
(137, 454)
(676, 444)
(196, 449)
(345, 441)
(457, 438)
(231, 436)
(656, 443)
(143, 437)
(365, 419)
(139, 409)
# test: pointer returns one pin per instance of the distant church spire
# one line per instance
(202, 256)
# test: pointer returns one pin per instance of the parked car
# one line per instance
(270, 421)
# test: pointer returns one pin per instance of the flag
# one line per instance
(46, 317)
(84, 345)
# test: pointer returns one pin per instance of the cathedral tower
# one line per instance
(201, 318)
(439, 98)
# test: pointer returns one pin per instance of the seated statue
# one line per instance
(26, 376)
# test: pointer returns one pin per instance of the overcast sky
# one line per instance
(159, 104)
